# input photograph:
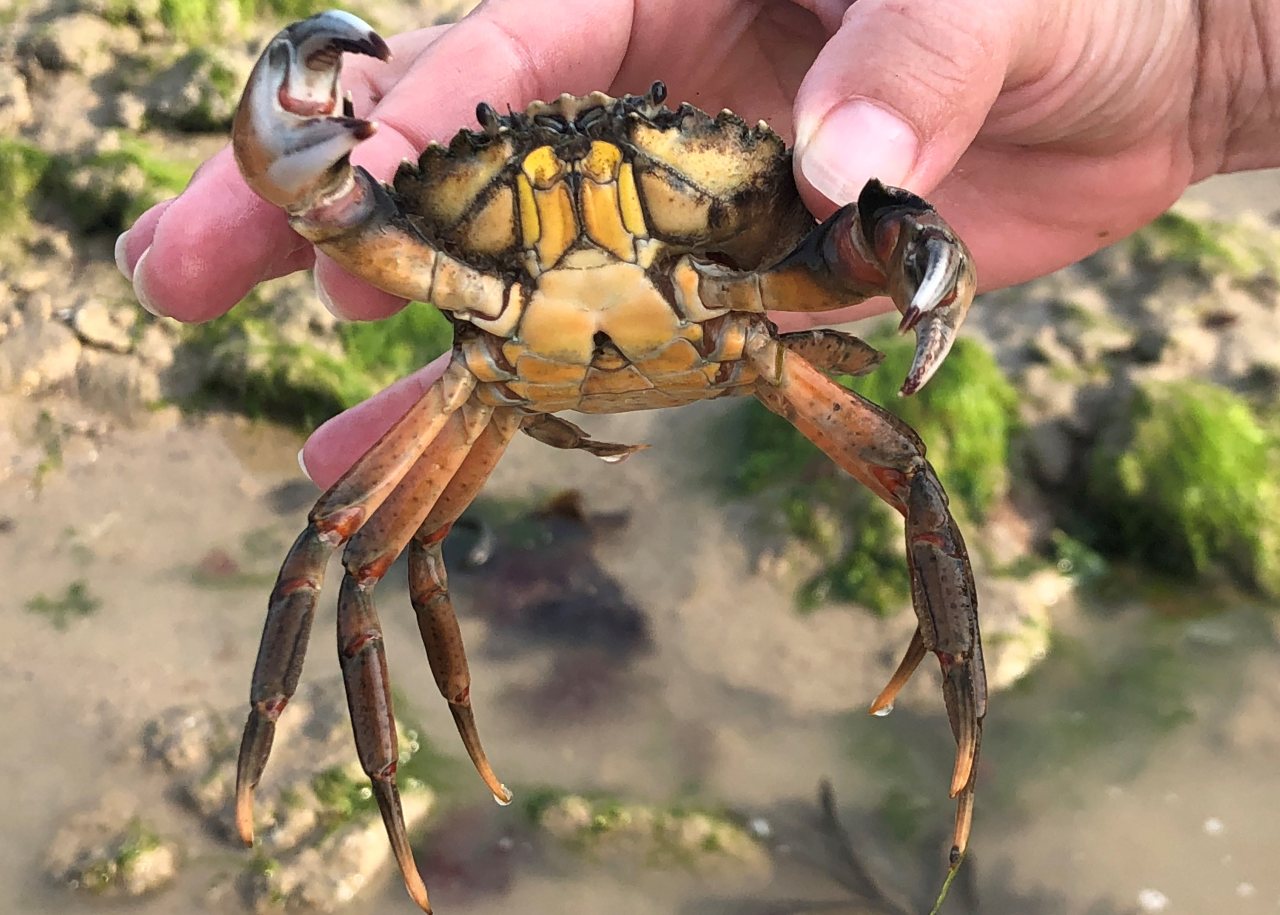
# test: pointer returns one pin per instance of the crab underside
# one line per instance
(602, 255)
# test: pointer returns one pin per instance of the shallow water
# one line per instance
(1136, 765)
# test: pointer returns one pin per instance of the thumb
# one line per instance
(900, 91)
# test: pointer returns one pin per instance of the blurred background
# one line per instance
(672, 657)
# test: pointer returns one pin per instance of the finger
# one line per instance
(899, 92)
(524, 52)
(194, 257)
(340, 442)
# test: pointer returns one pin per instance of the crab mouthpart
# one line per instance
(292, 132)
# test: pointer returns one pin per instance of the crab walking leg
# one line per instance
(429, 589)
(360, 642)
(833, 351)
(291, 608)
(884, 454)
(560, 433)
(890, 242)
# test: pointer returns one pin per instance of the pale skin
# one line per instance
(1042, 131)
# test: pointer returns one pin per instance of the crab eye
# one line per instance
(657, 92)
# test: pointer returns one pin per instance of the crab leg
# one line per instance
(360, 643)
(885, 455)
(833, 351)
(560, 433)
(429, 590)
(338, 514)
(890, 242)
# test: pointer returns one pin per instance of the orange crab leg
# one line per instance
(360, 642)
(884, 453)
(291, 608)
(429, 590)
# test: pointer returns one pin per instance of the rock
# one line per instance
(79, 41)
(639, 834)
(100, 325)
(187, 739)
(1051, 450)
(128, 111)
(1016, 623)
(15, 105)
(111, 851)
(115, 383)
(200, 91)
(327, 875)
(37, 356)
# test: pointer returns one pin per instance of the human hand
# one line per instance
(1041, 130)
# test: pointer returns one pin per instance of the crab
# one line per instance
(602, 255)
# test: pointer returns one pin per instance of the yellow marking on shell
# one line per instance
(603, 221)
(717, 159)
(529, 227)
(447, 186)
(543, 167)
(676, 208)
(687, 280)
(601, 162)
(504, 325)
(559, 224)
(491, 229)
(629, 202)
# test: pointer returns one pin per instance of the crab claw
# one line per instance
(931, 273)
(292, 132)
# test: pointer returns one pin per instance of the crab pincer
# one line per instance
(928, 268)
(292, 126)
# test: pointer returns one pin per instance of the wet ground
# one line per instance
(1134, 771)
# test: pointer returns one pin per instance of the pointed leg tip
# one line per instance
(417, 891)
(503, 796)
(244, 817)
(963, 770)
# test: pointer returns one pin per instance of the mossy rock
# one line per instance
(1187, 481)
(252, 369)
(1208, 247)
(966, 417)
(21, 168)
(698, 840)
(100, 192)
(199, 92)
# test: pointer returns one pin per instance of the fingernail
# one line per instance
(857, 140)
(140, 288)
(302, 462)
(322, 292)
(121, 264)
